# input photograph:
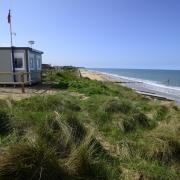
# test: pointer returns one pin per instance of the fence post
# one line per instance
(41, 74)
(22, 83)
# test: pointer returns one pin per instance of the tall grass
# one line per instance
(54, 151)
(5, 124)
(30, 161)
(112, 133)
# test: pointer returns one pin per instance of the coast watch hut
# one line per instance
(19, 64)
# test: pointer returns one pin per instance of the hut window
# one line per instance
(39, 63)
(18, 62)
(31, 63)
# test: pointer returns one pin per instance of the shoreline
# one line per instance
(138, 86)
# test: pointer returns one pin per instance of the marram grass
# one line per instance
(90, 130)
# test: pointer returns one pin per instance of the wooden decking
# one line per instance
(14, 83)
(9, 92)
(21, 76)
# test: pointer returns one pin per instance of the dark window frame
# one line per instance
(18, 63)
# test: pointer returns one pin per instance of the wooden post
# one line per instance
(22, 83)
(80, 74)
(41, 74)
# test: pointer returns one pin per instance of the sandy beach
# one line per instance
(139, 87)
(99, 76)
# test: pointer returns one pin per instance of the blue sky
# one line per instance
(98, 33)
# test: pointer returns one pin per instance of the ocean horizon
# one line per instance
(158, 76)
(161, 82)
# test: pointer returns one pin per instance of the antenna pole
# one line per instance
(12, 48)
(10, 27)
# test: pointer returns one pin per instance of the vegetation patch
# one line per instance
(113, 133)
(5, 122)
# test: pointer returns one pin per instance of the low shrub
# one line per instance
(83, 85)
(88, 87)
(68, 74)
(61, 85)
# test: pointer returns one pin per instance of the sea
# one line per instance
(165, 83)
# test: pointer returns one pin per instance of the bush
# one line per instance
(62, 85)
(88, 87)
(68, 74)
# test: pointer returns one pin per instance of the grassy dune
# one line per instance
(89, 130)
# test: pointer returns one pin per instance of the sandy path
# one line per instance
(16, 93)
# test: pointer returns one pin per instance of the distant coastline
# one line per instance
(142, 86)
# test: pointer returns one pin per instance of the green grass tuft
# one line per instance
(31, 161)
(5, 122)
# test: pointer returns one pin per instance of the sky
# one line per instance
(97, 33)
